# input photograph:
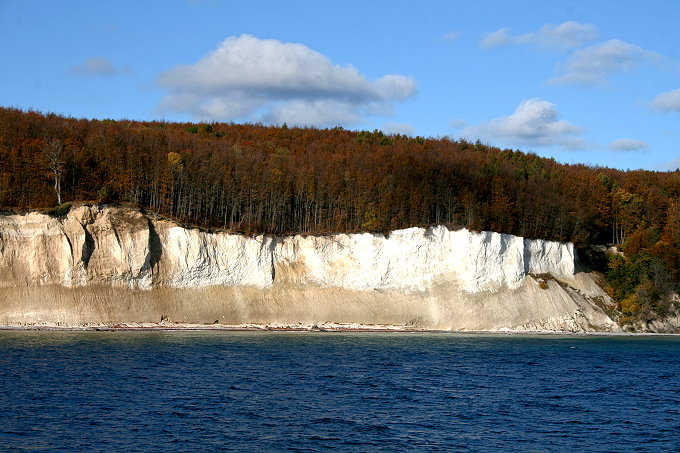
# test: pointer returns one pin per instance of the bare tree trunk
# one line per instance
(52, 152)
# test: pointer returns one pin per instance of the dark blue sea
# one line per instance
(283, 391)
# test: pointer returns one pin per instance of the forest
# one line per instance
(257, 179)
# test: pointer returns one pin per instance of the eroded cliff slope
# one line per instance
(105, 265)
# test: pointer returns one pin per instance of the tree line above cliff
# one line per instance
(252, 178)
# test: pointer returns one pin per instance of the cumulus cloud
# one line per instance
(398, 128)
(564, 36)
(457, 124)
(668, 101)
(535, 123)
(318, 112)
(628, 144)
(592, 65)
(97, 66)
(452, 35)
(671, 165)
(496, 39)
(247, 78)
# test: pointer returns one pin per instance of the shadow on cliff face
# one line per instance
(275, 240)
(591, 258)
(155, 246)
(88, 247)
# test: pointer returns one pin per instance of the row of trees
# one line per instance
(277, 180)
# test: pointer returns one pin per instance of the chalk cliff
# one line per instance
(106, 265)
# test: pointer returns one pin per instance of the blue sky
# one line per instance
(583, 82)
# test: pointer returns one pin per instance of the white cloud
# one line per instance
(96, 66)
(591, 66)
(667, 101)
(398, 128)
(319, 112)
(253, 79)
(671, 165)
(534, 123)
(561, 37)
(457, 124)
(452, 35)
(628, 144)
(496, 39)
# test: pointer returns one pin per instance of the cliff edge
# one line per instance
(105, 265)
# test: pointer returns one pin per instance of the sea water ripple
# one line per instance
(283, 391)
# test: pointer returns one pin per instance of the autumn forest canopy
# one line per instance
(253, 178)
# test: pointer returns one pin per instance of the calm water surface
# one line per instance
(241, 391)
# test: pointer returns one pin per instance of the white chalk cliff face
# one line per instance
(108, 265)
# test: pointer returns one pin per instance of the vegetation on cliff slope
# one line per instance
(259, 179)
